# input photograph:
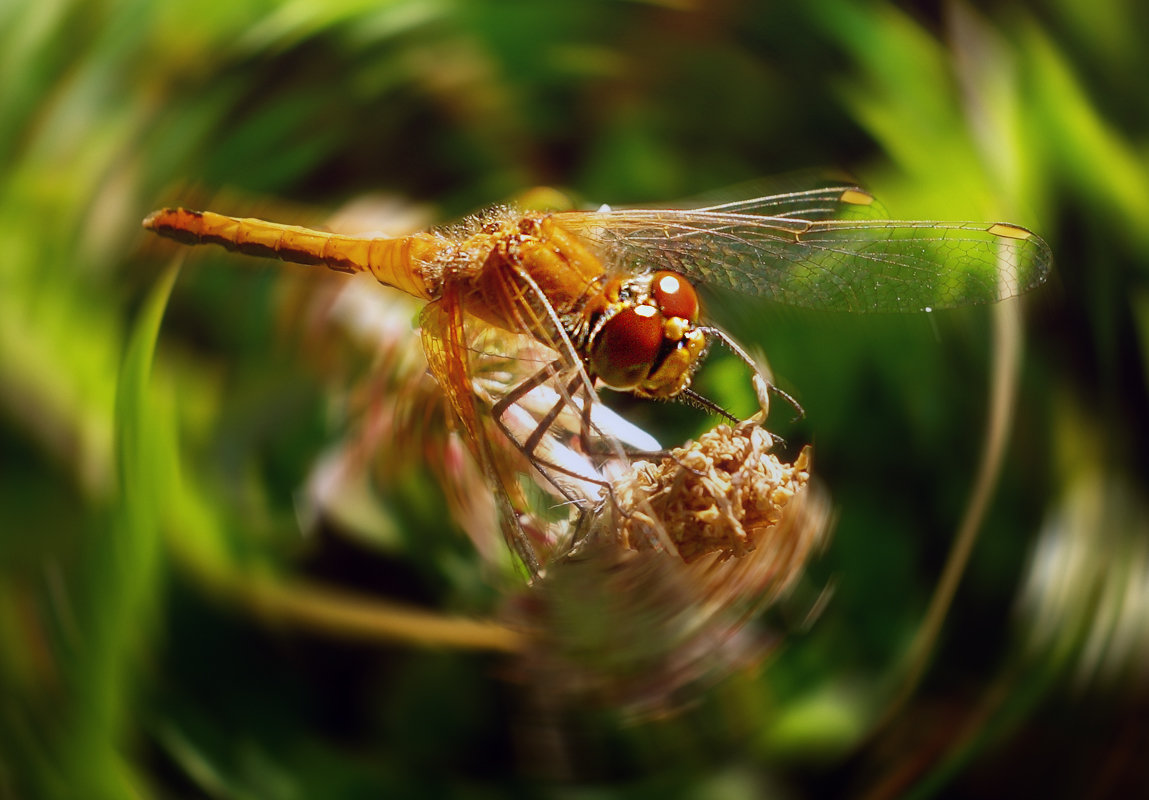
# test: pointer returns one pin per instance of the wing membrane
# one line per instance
(832, 201)
(443, 334)
(861, 265)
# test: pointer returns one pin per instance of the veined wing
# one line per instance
(829, 264)
(815, 200)
(443, 330)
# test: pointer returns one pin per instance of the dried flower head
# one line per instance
(654, 603)
(721, 494)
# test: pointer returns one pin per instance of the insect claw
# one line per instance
(789, 399)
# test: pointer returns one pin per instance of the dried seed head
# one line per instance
(653, 605)
(721, 494)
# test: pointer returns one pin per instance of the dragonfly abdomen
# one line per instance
(399, 262)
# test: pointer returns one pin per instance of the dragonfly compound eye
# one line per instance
(624, 351)
(674, 295)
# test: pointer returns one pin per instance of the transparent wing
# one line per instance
(860, 265)
(443, 335)
(800, 196)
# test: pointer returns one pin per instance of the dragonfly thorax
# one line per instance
(642, 334)
(534, 274)
(634, 332)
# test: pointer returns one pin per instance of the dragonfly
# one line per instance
(613, 295)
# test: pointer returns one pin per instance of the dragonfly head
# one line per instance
(643, 336)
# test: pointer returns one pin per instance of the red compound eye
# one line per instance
(674, 295)
(623, 352)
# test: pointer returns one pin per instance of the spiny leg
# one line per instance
(532, 442)
(767, 386)
(588, 426)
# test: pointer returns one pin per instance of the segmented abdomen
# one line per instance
(399, 262)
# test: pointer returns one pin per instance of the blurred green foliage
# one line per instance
(149, 474)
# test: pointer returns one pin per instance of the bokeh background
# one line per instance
(176, 622)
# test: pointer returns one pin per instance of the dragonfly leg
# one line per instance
(763, 386)
(693, 398)
(529, 447)
(588, 429)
